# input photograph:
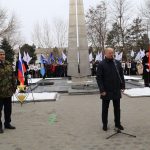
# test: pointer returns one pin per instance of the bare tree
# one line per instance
(9, 27)
(121, 14)
(146, 10)
(96, 20)
(42, 35)
(60, 32)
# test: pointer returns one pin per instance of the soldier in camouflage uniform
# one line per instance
(7, 88)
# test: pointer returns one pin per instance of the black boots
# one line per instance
(120, 127)
(105, 127)
(1, 131)
(9, 126)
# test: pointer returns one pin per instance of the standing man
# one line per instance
(146, 71)
(7, 88)
(110, 80)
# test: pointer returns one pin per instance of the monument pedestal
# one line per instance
(84, 85)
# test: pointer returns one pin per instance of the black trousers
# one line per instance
(147, 79)
(105, 107)
(7, 104)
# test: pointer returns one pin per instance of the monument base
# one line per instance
(83, 85)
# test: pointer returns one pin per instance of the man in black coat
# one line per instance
(110, 80)
(146, 71)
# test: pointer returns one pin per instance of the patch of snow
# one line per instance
(138, 92)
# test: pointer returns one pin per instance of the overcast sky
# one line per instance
(31, 11)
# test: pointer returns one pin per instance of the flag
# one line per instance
(99, 57)
(60, 61)
(42, 70)
(138, 56)
(142, 53)
(25, 56)
(45, 61)
(28, 58)
(90, 57)
(21, 69)
(24, 67)
(132, 53)
(118, 56)
(64, 56)
(51, 58)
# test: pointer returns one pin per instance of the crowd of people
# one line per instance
(130, 67)
(52, 70)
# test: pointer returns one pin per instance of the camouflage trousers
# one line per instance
(7, 105)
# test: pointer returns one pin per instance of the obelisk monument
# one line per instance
(78, 56)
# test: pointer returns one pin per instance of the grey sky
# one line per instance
(31, 11)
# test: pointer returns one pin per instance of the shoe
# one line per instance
(120, 127)
(9, 127)
(1, 131)
(105, 127)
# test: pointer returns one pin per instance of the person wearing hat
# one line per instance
(7, 88)
(146, 71)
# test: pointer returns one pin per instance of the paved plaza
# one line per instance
(74, 123)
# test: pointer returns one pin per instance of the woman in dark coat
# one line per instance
(146, 71)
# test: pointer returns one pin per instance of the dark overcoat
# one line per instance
(145, 62)
(110, 79)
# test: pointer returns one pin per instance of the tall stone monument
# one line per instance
(78, 56)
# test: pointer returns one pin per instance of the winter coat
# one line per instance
(110, 79)
(8, 82)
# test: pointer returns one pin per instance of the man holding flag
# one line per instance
(146, 68)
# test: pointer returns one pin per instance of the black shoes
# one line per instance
(105, 127)
(1, 131)
(9, 126)
(120, 127)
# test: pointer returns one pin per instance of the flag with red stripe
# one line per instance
(21, 70)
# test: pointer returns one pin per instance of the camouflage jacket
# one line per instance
(7, 80)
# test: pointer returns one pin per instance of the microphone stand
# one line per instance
(118, 131)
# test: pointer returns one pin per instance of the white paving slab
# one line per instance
(39, 97)
(138, 92)
(132, 78)
(34, 80)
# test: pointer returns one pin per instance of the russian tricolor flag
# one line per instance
(21, 69)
